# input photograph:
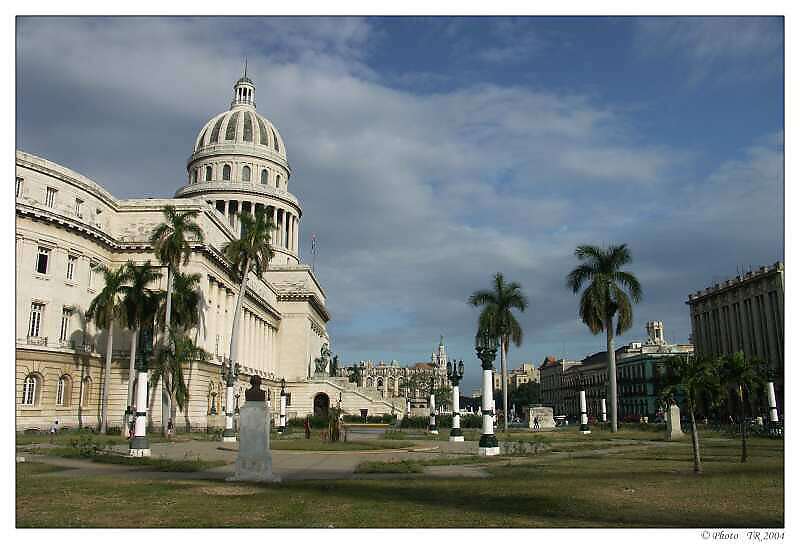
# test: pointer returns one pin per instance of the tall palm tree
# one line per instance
(609, 293)
(168, 367)
(250, 253)
(696, 378)
(497, 317)
(186, 298)
(171, 246)
(139, 303)
(104, 309)
(745, 375)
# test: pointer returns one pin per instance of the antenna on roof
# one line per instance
(245, 67)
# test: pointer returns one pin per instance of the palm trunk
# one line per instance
(698, 469)
(744, 426)
(612, 374)
(165, 397)
(173, 408)
(131, 380)
(237, 314)
(504, 379)
(106, 379)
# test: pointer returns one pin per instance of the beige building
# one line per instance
(744, 313)
(67, 226)
(526, 372)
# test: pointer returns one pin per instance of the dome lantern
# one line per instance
(244, 91)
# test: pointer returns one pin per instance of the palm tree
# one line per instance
(104, 310)
(139, 305)
(696, 378)
(168, 367)
(250, 253)
(186, 299)
(497, 318)
(606, 296)
(171, 247)
(744, 375)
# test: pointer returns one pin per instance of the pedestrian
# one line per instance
(170, 428)
(307, 427)
(53, 430)
(536, 423)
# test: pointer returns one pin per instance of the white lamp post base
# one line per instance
(489, 451)
(229, 439)
(139, 452)
(585, 432)
(434, 431)
(456, 439)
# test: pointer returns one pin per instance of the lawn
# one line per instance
(315, 444)
(652, 487)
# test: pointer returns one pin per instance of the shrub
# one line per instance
(86, 445)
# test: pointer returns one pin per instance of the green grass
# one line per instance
(33, 467)
(393, 467)
(653, 487)
(315, 444)
(152, 463)
(64, 438)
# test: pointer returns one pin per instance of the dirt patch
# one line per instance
(228, 490)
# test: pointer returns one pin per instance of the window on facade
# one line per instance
(79, 207)
(42, 258)
(208, 173)
(246, 173)
(50, 197)
(264, 176)
(30, 389)
(226, 172)
(92, 274)
(72, 260)
(278, 181)
(19, 187)
(66, 315)
(63, 391)
(35, 322)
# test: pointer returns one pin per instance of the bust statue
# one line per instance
(255, 392)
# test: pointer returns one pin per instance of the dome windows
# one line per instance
(230, 131)
(262, 129)
(226, 172)
(275, 142)
(264, 176)
(215, 132)
(246, 174)
(248, 128)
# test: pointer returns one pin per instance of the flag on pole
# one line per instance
(313, 249)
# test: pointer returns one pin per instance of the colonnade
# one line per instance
(258, 341)
(287, 232)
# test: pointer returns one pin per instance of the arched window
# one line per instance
(226, 172)
(278, 181)
(208, 173)
(86, 393)
(246, 173)
(30, 390)
(64, 391)
(264, 176)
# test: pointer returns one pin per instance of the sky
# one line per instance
(430, 153)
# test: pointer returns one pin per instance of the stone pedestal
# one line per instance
(674, 423)
(544, 416)
(254, 463)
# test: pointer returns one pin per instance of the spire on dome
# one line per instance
(244, 91)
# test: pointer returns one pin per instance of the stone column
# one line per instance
(228, 435)
(297, 235)
(432, 425)
(774, 423)
(211, 314)
(140, 445)
(274, 239)
(488, 442)
(456, 435)
(584, 428)
(603, 410)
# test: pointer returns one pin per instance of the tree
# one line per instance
(168, 367)
(745, 375)
(250, 253)
(172, 248)
(186, 299)
(104, 309)
(354, 374)
(606, 296)
(139, 304)
(498, 319)
(695, 378)
(527, 394)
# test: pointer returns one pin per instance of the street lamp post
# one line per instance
(140, 445)
(584, 428)
(603, 410)
(774, 424)
(432, 425)
(282, 420)
(455, 373)
(229, 373)
(486, 348)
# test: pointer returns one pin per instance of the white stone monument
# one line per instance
(543, 416)
(674, 423)
(254, 462)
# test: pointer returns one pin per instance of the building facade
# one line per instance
(526, 372)
(68, 227)
(746, 314)
(640, 371)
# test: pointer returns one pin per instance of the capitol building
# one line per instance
(68, 227)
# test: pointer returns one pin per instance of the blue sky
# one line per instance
(430, 153)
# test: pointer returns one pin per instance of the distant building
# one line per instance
(526, 372)
(744, 313)
(640, 367)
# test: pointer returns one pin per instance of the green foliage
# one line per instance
(169, 239)
(445, 421)
(186, 298)
(139, 301)
(527, 394)
(252, 251)
(497, 314)
(318, 423)
(170, 362)
(106, 307)
(406, 466)
(88, 445)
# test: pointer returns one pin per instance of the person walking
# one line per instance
(536, 423)
(53, 430)
(307, 427)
